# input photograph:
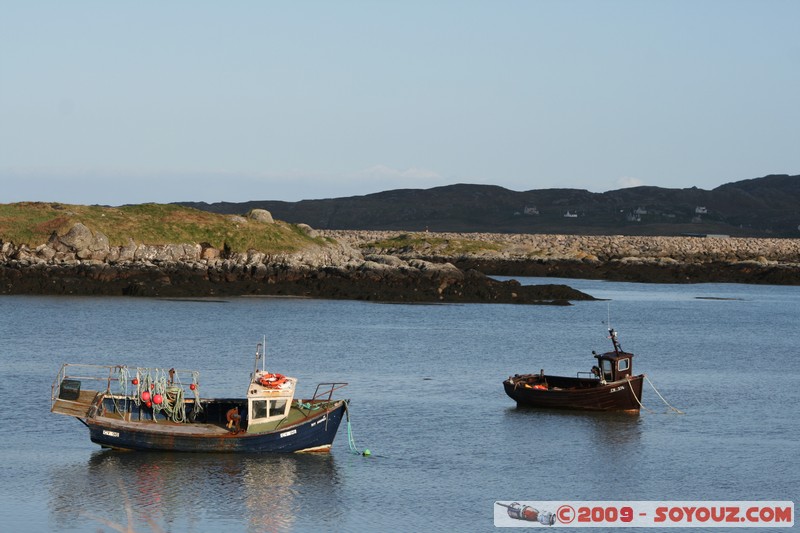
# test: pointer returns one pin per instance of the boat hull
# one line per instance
(578, 394)
(313, 434)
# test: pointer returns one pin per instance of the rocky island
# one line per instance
(173, 251)
(128, 251)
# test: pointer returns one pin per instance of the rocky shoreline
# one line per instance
(82, 262)
(613, 258)
(365, 265)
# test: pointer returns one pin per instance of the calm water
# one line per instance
(427, 400)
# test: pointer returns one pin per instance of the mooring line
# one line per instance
(662, 398)
(630, 387)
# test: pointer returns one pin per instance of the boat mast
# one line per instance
(613, 334)
(260, 354)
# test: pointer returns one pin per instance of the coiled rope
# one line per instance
(158, 381)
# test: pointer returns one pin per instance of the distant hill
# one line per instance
(761, 207)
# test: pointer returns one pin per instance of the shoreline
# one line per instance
(384, 267)
(89, 266)
(611, 258)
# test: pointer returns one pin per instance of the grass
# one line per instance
(32, 223)
(441, 246)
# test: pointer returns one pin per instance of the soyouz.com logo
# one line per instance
(644, 514)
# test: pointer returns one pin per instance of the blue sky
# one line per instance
(129, 102)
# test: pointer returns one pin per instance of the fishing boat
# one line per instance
(609, 386)
(157, 409)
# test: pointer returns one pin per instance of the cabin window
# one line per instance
(623, 364)
(607, 369)
(277, 407)
(259, 409)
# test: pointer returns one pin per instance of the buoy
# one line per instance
(135, 381)
(366, 453)
(146, 397)
(272, 381)
(157, 399)
(192, 386)
(149, 404)
(152, 386)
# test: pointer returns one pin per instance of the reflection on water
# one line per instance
(610, 439)
(154, 491)
(444, 448)
(604, 429)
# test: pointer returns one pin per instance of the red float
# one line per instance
(192, 386)
(157, 399)
(146, 397)
(149, 404)
(135, 381)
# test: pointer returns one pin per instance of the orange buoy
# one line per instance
(272, 381)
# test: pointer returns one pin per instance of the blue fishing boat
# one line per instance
(137, 408)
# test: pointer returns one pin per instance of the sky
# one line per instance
(131, 102)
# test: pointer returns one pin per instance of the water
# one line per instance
(427, 400)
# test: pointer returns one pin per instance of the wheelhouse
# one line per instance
(616, 365)
(267, 404)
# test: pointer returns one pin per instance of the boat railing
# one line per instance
(324, 391)
(101, 374)
(588, 375)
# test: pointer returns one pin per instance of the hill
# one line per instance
(32, 223)
(761, 207)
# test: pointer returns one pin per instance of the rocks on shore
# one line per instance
(83, 262)
(620, 258)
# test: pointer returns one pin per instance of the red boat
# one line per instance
(610, 386)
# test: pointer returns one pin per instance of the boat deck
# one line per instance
(296, 415)
(78, 407)
(162, 426)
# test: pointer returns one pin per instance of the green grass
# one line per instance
(32, 223)
(422, 243)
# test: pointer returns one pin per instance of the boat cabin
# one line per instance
(613, 366)
(269, 398)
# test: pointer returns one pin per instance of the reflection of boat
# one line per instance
(611, 386)
(194, 492)
(148, 409)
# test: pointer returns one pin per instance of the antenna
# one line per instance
(261, 353)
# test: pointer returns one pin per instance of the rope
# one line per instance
(123, 390)
(630, 387)
(311, 407)
(351, 441)
(198, 407)
(156, 381)
(662, 398)
(659, 395)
